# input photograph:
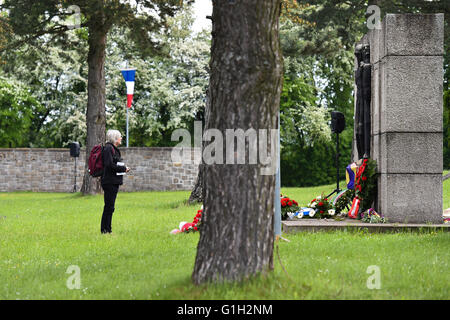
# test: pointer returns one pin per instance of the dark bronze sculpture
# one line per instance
(363, 77)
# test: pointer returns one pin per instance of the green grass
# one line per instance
(42, 234)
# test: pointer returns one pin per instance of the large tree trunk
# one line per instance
(197, 193)
(96, 112)
(236, 238)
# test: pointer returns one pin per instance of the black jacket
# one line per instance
(111, 155)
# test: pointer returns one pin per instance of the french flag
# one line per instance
(128, 75)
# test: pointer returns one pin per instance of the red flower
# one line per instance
(364, 178)
(320, 203)
(195, 228)
(290, 203)
(321, 211)
(295, 202)
(326, 199)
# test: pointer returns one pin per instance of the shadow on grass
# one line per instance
(269, 286)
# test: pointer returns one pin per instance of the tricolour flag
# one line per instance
(128, 75)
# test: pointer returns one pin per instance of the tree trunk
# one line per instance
(236, 238)
(96, 112)
(197, 192)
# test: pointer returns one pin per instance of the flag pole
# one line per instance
(129, 76)
(127, 111)
(127, 126)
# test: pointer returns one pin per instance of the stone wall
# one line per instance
(406, 110)
(53, 170)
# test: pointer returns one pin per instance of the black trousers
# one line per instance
(111, 191)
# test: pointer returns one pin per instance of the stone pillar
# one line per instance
(407, 114)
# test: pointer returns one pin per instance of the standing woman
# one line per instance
(111, 178)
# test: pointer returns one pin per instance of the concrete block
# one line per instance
(375, 38)
(410, 198)
(375, 152)
(413, 34)
(411, 94)
(412, 152)
(375, 106)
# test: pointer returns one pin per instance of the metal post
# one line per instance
(126, 67)
(127, 126)
(277, 218)
(337, 162)
(75, 174)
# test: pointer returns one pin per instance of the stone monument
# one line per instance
(406, 108)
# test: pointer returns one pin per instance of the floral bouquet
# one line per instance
(371, 216)
(190, 227)
(287, 206)
(322, 208)
(366, 183)
(343, 201)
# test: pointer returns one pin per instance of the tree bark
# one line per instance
(197, 192)
(236, 238)
(96, 112)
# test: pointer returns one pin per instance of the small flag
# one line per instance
(350, 175)
(128, 75)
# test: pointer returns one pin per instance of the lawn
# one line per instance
(43, 234)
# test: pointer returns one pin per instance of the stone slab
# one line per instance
(411, 94)
(375, 38)
(375, 105)
(315, 225)
(413, 35)
(410, 152)
(410, 198)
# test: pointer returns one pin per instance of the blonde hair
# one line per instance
(112, 136)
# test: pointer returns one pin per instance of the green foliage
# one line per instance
(57, 77)
(169, 93)
(18, 111)
(170, 90)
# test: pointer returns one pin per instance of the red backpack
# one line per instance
(95, 163)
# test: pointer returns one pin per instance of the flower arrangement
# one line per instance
(366, 183)
(322, 207)
(343, 201)
(194, 226)
(287, 206)
(371, 216)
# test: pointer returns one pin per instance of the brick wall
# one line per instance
(53, 170)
